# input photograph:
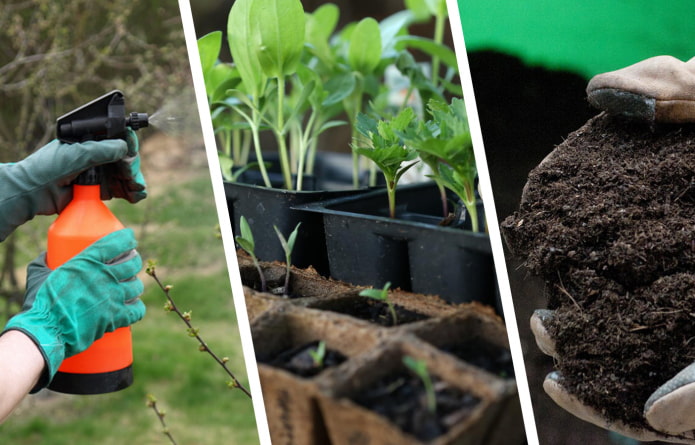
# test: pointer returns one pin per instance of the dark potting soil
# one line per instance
(401, 398)
(485, 355)
(298, 360)
(374, 311)
(608, 220)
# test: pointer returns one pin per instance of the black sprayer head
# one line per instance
(102, 118)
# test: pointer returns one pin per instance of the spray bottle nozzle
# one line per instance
(137, 120)
(102, 118)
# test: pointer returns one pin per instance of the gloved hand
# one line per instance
(658, 89)
(40, 183)
(65, 310)
(670, 410)
(123, 179)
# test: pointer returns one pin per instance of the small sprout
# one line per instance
(287, 246)
(151, 400)
(168, 306)
(318, 354)
(232, 384)
(247, 243)
(192, 332)
(151, 266)
(382, 295)
(225, 359)
(419, 368)
(202, 348)
(186, 315)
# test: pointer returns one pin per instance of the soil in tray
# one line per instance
(607, 221)
(298, 360)
(400, 397)
(374, 311)
(485, 355)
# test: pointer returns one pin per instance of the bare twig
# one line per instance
(152, 403)
(194, 332)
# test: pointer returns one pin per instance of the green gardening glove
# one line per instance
(123, 178)
(41, 183)
(65, 310)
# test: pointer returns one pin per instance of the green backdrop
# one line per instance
(587, 37)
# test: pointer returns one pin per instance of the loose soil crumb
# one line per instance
(608, 220)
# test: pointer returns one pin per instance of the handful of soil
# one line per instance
(608, 221)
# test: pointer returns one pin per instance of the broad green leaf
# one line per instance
(226, 164)
(209, 48)
(219, 79)
(393, 26)
(320, 25)
(281, 27)
(437, 7)
(243, 42)
(445, 54)
(245, 244)
(329, 125)
(339, 87)
(364, 53)
(419, 8)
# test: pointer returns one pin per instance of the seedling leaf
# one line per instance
(318, 354)
(365, 46)
(419, 368)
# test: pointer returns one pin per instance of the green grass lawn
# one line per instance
(178, 230)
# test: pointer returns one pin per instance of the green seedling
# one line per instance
(419, 368)
(318, 354)
(387, 149)
(245, 241)
(382, 295)
(444, 142)
(287, 246)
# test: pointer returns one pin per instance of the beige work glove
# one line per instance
(670, 410)
(660, 89)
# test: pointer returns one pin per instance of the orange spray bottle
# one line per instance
(106, 366)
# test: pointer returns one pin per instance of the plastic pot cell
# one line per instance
(366, 247)
(265, 207)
